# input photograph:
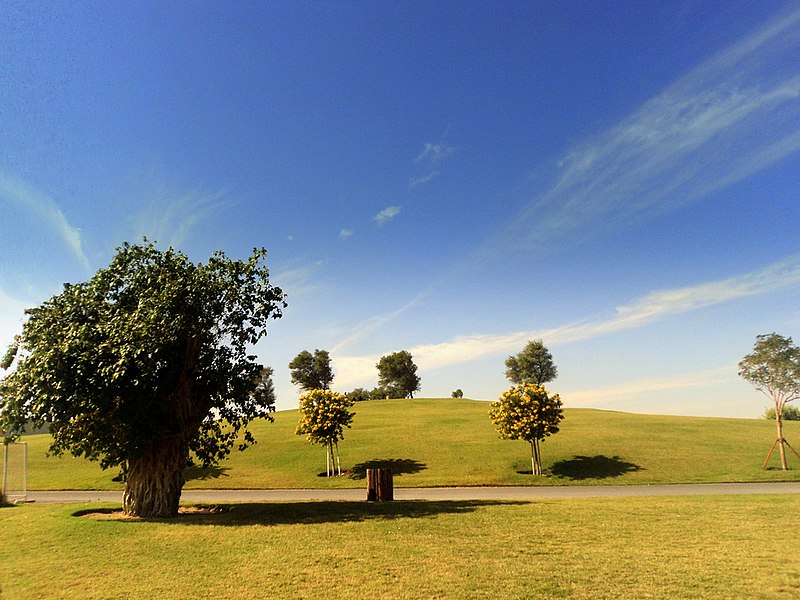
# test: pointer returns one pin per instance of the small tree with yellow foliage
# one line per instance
(527, 412)
(323, 417)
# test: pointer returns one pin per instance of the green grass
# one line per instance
(675, 547)
(452, 442)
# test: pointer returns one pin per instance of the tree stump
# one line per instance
(380, 486)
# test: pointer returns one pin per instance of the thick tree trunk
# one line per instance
(380, 485)
(779, 425)
(155, 479)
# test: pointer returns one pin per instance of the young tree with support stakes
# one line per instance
(527, 412)
(774, 370)
(323, 417)
(146, 366)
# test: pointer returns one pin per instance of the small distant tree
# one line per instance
(397, 374)
(264, 393)
(359, 395)
(312, 371)
(379, 393)
(774, 370)
(457, 394)
(527, 412)
(533, 365)
(790, 413)
(323, 417)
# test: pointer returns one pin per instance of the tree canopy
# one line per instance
(312, 371)
(147, 365)
(323, 417)
(527, 412)
(773, 367)
(534, 364)
(397, 375)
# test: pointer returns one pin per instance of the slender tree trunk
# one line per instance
(779, 425)
(155, 479)
(533, 459)
(536, 460)
(338, 459)
(328, 458)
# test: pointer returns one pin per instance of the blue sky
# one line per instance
(619, 179)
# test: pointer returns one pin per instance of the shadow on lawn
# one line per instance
(294, 513)
(204, 473)
(593, 467)
(399, 466)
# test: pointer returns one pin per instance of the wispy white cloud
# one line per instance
(642, 311)
(387, 214)
(373, 324)
(297, 279)
(44, 207)
(415, 181)
(640, 388)
(435, 152)
(730, 117)
(345, 233)
(169, 217)
(12, 315)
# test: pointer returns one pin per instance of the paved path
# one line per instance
(460, 493)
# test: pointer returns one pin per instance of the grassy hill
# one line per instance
(449, 442)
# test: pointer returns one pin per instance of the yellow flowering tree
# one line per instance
(323, 417)
(527, 412)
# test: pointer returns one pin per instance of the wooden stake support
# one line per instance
(771, 450)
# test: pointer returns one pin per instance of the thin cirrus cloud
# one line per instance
(170, 216)
(434, 152)
(732, 116)
(387, 214)
(642, 311)
(415, 181)
(345, 233)
(373, 324)
(45, 208)
(638, 387)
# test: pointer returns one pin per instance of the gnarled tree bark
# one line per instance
(155, 479)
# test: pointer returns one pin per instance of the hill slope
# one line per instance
(445, 442)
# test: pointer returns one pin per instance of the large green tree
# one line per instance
(527, 412)
(397, 374)
(323, 416)
(312, 371)
(773, 367)
(147, 365)
(534, 364)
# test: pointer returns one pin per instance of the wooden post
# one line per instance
(380, 485)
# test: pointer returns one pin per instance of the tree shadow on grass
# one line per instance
(308, 513)
(204, 473)
(190, 473)
(399, 466)
(593, 467)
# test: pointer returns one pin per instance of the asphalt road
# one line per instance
(459, 493)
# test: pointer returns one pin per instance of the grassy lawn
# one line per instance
(675, 547)
(452, 442)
